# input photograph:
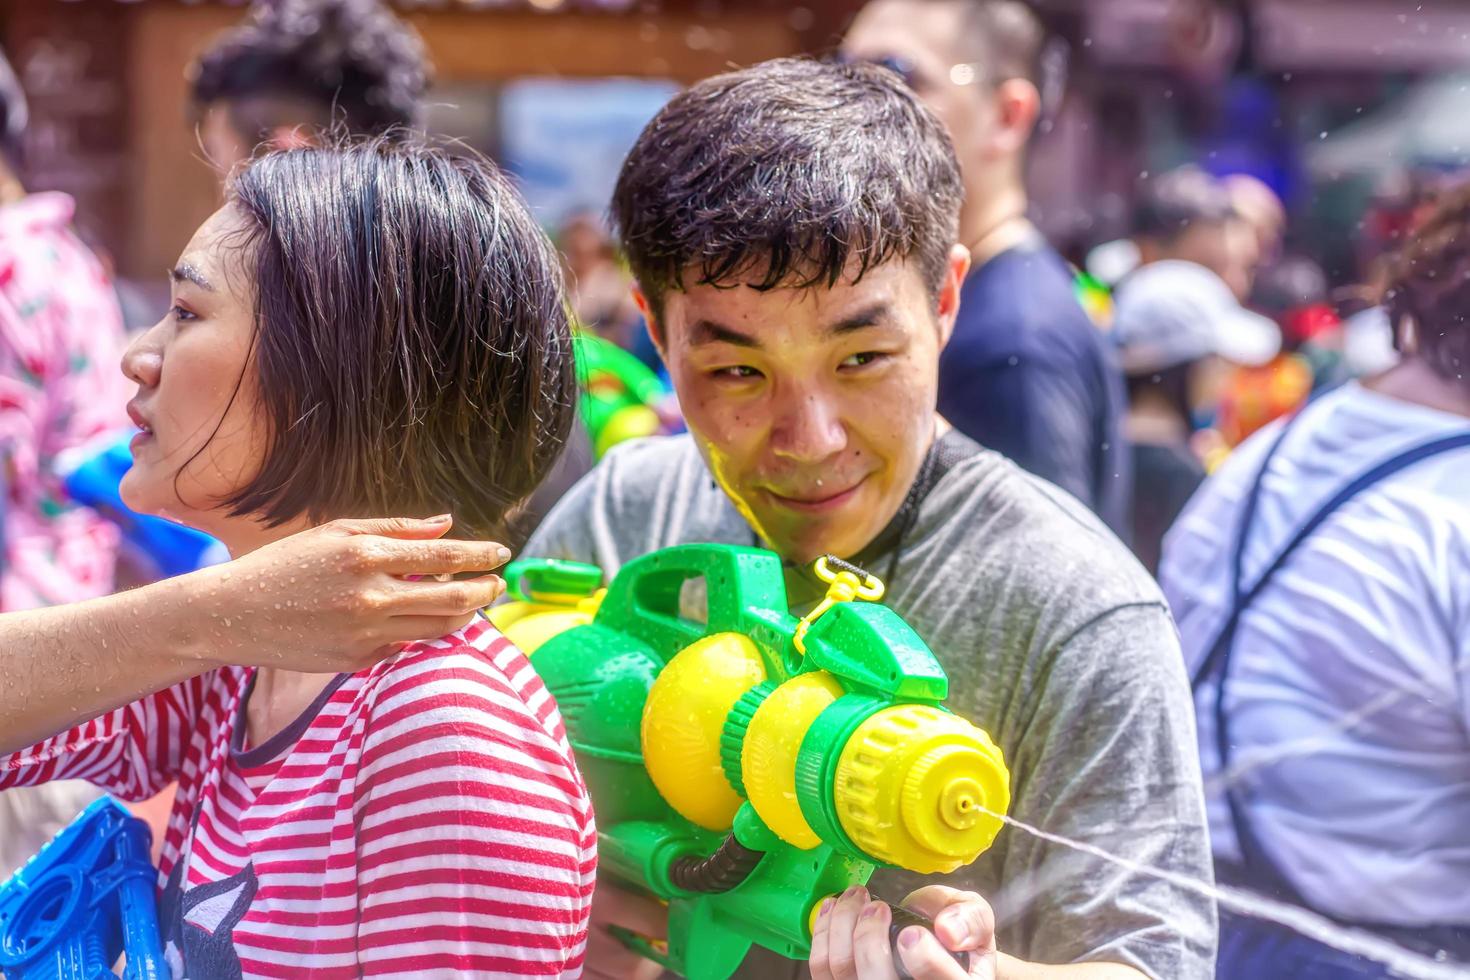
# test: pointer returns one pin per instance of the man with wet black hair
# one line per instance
(1027, 373)
(793, 229)
(299, 66)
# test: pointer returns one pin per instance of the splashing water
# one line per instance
(1252, 760)
(1355, 942)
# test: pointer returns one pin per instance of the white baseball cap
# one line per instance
(1173, 312)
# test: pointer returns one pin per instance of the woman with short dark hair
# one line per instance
(370, 328)
(1321, 581)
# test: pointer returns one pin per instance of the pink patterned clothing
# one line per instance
(61, 341)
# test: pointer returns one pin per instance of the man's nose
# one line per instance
(810, 429)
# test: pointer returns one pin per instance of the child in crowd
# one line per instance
(361, 329)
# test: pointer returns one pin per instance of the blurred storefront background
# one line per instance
(1332, 102)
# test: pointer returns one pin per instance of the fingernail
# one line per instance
(502, 554)
(855, 891)
(825, 907)
(441, 519)
(911, 937)
(872, 909)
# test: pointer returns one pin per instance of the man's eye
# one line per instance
(738, 372)
(862, 359)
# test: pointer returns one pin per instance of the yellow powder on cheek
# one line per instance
(720, 468)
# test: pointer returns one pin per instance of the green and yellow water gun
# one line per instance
(620, 394)
(746, 763)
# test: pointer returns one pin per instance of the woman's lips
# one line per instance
(141, 421)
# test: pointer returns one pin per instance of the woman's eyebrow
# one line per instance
(184, 272)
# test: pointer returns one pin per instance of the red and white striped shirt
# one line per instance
(424, 816)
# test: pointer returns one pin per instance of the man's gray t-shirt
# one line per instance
(1056, 642)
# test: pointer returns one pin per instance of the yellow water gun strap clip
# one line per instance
(845, 582)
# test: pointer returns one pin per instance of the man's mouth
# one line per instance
(817, 500)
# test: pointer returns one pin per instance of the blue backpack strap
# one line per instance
(1237, 556)
(1217, 661)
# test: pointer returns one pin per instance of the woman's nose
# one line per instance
(143, 360)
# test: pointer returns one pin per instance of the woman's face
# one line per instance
(204, 434)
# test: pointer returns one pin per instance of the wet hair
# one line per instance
(319, 63)
(412, 346)
(1429, 283)
(1171, 203)
(13, 115)
(790, 173)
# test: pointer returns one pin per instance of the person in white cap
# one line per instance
(1177, 324)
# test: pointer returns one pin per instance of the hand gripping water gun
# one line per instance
(86, 898)
(621, 395)
(746, 767)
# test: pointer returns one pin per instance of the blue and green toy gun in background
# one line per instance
(621, 396)
(749, 763)
(93, 475)
(85, 899)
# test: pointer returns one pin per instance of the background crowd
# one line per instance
(1219, 253)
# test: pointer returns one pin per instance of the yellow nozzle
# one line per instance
(921, 788)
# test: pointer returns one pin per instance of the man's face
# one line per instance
(919, 36)
(813, 408)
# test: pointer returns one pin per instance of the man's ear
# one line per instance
(650, 322)
(956, 268)
(1018, 104)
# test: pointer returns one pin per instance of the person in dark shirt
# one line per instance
(1178, 325)
(1026, 372)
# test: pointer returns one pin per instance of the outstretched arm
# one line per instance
(333, 598)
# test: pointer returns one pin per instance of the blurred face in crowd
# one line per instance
(1228, 248)
(1260, 208)
(989, 122)
(813, 407)
(1243, 256)
(203, 436)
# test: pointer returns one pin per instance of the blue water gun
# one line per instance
(92, 475)
(85, 899)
